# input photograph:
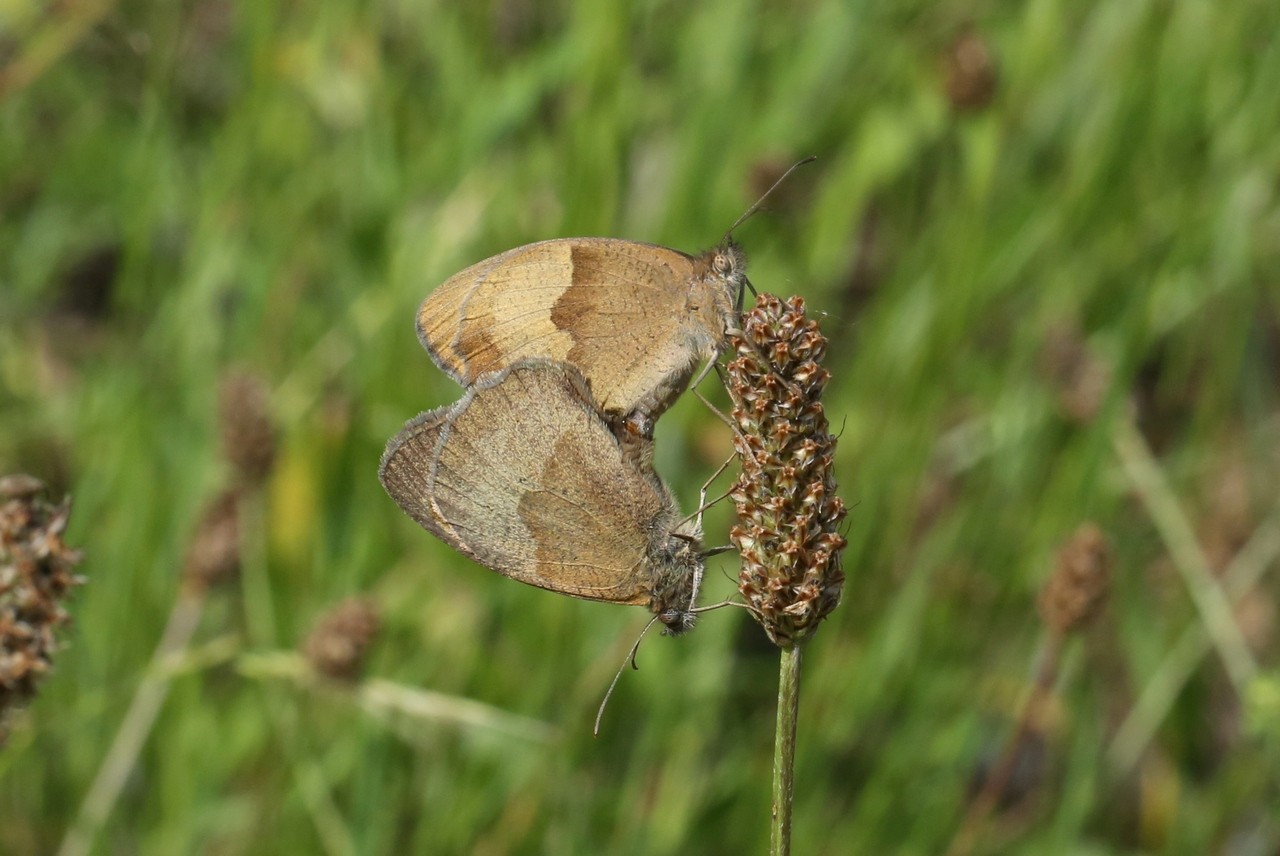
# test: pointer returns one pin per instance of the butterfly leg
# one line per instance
(703, 505)
(706, 370)
(702, 375)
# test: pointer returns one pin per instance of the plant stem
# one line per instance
(45, 47)
(997, 781)
(1179, 537)
(1183, 657)
(784, 751)
(136, 726)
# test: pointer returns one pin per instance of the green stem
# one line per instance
(997, 782)
(135, 728)
(1183, 658)
(784, 751)
(1180, 539)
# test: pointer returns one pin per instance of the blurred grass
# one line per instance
(186, 187)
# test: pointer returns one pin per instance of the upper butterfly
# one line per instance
(636, 319)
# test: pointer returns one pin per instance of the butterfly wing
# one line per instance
(524, 476)
(613, 308)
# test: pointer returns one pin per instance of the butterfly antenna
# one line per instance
(754, 208)
(631, 658)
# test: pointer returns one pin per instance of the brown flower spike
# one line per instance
(214, 555)
(35, 577)
(248, 432)
(1077, 589)
(341, 638)
(788, 511)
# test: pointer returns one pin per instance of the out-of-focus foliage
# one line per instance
(1031, 226)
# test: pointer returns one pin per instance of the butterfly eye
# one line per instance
(722, 263)
(671, 616)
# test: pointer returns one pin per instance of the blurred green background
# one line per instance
(1044, 238)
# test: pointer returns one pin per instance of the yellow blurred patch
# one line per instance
(293, 510)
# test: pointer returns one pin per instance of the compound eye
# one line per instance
(722, 264)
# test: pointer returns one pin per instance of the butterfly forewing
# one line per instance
(613, 308)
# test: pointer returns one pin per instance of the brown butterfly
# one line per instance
(524, 476)
(635, 318)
